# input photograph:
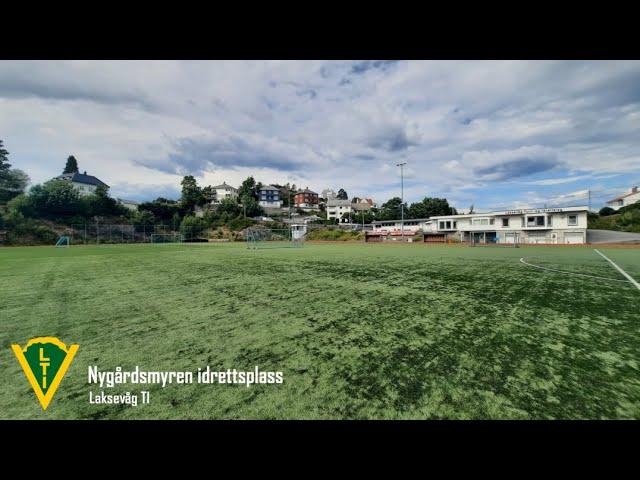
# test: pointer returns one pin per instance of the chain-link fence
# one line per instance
(98, 233)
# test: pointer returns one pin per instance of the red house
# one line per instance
(306, 199)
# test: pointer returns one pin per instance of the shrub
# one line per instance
(606, 211)
(240, 223)
(334, 235)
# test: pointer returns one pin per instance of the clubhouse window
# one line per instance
(480, 221)
(446, 224)
(537, 221)
(573, 220)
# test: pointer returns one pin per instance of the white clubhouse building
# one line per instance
(537, 225)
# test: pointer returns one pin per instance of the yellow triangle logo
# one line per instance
(45, 360)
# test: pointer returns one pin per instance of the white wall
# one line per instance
(84, 188)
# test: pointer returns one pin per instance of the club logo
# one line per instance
(45, 361)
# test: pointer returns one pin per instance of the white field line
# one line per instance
(625, 274)
(522, 260)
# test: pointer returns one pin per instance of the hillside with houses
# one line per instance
(77, 199)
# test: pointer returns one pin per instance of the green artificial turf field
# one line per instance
(360, 331)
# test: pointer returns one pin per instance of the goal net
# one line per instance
(273, 238)
(166, 238)
(63, 241)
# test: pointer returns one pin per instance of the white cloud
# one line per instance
(459, 125)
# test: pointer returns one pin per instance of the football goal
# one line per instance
(166, 238)
(63, 241)
(275, 238)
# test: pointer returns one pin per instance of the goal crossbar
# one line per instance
(274, 237)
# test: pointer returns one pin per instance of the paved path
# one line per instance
(611, 236)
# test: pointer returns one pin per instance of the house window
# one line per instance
(505, 222)
(448, 224)
(573, 220)
(441, 225)
(455, 224)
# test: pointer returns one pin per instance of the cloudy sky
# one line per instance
(488, 133)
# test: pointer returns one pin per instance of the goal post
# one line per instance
(166, 238)
(292, 237)
(63, 241)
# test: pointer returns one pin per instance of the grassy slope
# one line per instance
(361, 331)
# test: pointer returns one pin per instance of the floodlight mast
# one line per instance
(401, 165)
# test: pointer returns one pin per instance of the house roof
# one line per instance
(625, 195)
(306, 190)
(269, 187)
(398, 221)
(224, 185)
(335, 202)
(78, 177)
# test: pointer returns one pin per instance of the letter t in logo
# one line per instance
(44, 363)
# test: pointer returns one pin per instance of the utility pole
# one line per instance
(401, 165)
(289, 204)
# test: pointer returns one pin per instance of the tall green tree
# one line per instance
(162, 209)
(342, 194)
(250, 206)
(191, 193)
(391, 210)
(229, 207)
(101, 204)
(249, 187)
(71, 166)
(4, 159)
(13, 182)
(56, 199)
(429, 207)
(287, 192)
(367, 216)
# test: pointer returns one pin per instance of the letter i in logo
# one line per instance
(45, 360)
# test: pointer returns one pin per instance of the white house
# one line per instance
(85, 184)
(328, 194)
(337, 208)
(631, 196)
(365, 204)
(130, 204)
(269, 197)
(537, 225)
(220, 192)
